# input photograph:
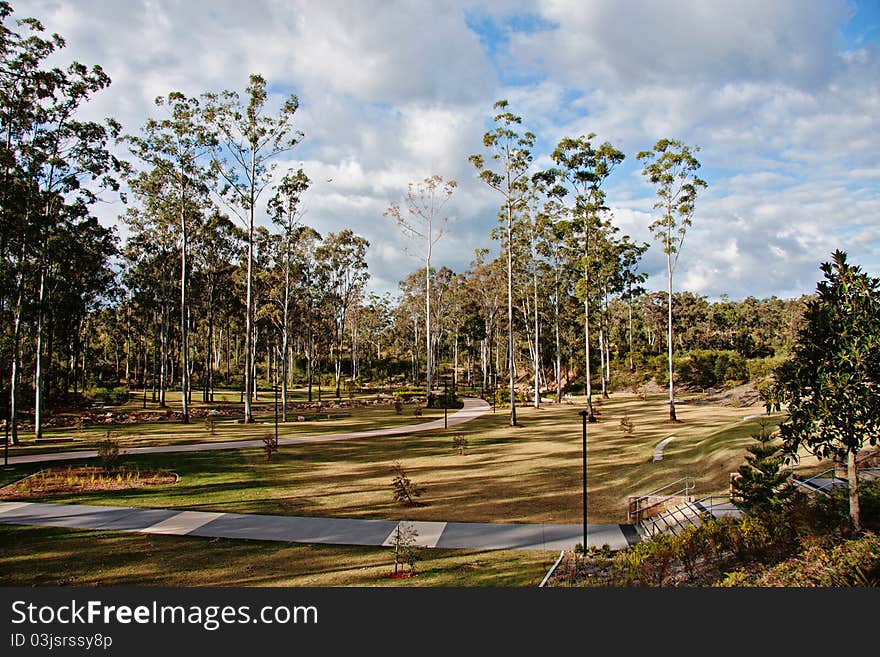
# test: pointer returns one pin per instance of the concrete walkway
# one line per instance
(295, 529)
(473, 408)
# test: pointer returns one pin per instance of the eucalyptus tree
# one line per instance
(286, 212)
(552, 225)
(583, 168)
(217, 245)
(246, 140)
(177, 148)
(310, 291)
(671, 167)
(630, 254)
(422, 221)
(511, 153)
(343, 256)
(53, 167)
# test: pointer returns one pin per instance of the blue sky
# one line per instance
(782, 96)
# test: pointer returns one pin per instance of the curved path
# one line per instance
(472, 409)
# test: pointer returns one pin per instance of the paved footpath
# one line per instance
(295, 529)
(473, 408)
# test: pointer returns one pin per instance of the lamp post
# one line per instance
(583, 415)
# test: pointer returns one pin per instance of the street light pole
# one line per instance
(583, 415)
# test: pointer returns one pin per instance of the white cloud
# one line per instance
(788, 116)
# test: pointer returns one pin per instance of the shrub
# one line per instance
(405, 549)
(269, 445)
(459, 444)
(108, 453)
(405, 491)
(417, 410)
(398, 405)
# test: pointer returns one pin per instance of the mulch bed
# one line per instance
(60, 480)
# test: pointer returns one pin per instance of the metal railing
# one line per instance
(822, 488)
(641, 504)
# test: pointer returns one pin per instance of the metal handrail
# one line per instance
(817, 488)
(653, 522)
(689, 486)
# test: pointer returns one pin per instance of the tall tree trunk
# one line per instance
(510, 364)
(558, 343)
(38, 357)
(163, 357)
(852, 476)
(285, 330)
(249, 303)
(16, 359)
(184, 333)
(429, 351)
(537, 355)
(672, 416)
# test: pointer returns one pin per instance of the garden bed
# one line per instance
(60, 480)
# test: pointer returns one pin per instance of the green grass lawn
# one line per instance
(531, 473)
(48, 556)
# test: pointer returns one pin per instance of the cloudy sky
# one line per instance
(782, 96)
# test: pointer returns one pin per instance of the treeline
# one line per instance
(200, 295)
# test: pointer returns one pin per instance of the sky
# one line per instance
(781, 96)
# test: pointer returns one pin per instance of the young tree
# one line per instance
(511, 151)
(423, 222)
(246, 141)
(671, 167)
(763, 485)
(832, 380)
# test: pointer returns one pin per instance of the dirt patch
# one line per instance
(57, 481)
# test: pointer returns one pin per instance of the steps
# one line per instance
(688, 514)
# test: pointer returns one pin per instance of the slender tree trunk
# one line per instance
(285, 331)
(16, 359)
(38, 357)
(632, 365)
(537, 354)
(429, 351)
(184, 333)
(249, 309)
(558, 343)
(852, 476)
(163, 357)
(510, 364)
(672, 416)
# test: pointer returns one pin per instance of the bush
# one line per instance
(398, 405)
(108, 454)
(405, 491)
(707, 368)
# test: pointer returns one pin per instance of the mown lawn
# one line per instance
(531, 473)
(48, 556)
